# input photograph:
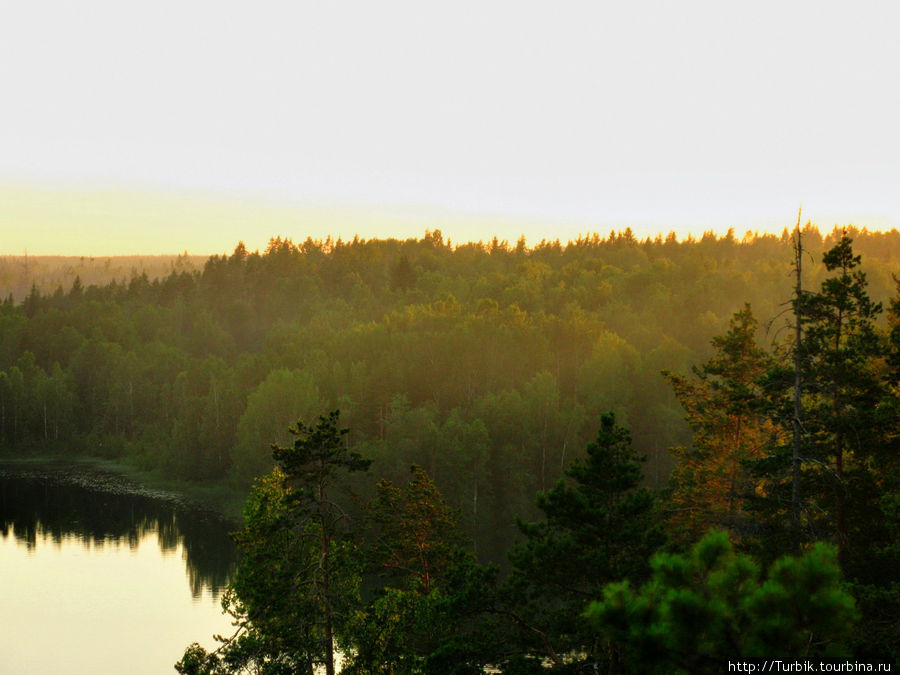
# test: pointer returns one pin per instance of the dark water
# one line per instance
(98, 576)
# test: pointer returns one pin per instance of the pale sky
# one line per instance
(163, 126)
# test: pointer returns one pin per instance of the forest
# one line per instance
(560, 457)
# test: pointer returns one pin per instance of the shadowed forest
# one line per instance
(568, 411)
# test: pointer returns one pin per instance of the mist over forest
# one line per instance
(491, 367)
(489, 364)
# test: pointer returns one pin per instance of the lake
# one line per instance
(99, 576)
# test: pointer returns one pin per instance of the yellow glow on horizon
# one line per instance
(51, 221)
(47, 220)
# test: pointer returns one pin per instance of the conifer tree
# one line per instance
(843, 427)
(599, 527)
(311, 465)
(417, 531)
(703, 609)
(710, 484)
(415, 544)
(298, 578)
(840, 346)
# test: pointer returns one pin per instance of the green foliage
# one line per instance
(312, 461)
(455, 628)
(197, 661)
(841, 347)
(388, 634)
(299, 571)
(270, 597)
(272, 591)
(599, 528)
(711, 483)
(488, 366)
(877, 635)
(429, 592)
(702, 609)
(848, 423)
(848, 418)
(283, 396)
(403, 276)
(416, 532)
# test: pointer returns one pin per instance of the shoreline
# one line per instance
(112, 475)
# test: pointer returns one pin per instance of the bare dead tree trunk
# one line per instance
(798, 388)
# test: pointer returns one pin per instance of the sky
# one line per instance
(169, 126)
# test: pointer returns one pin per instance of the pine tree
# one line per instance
(600, 527)
(311, 466)
(414, 543)
(844, 425)
(841, 344)
(710, 484)
(843, 431)
(298, 575)
(708, 607)
(417, 531)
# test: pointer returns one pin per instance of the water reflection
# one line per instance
(57, 503)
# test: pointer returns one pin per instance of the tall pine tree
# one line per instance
(600, 526)
(840, 350)
(710, 484)
(298, 576)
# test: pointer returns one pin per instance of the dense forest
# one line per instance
(579, 414)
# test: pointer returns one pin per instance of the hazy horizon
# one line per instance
(173, 127)
(61, 221)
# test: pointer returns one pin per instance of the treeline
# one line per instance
(776, 539)
(487, 364)
(47, 273)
